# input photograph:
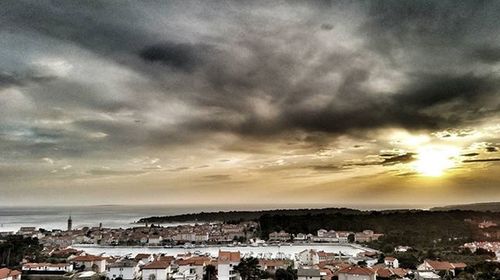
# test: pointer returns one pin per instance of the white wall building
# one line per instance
(391, 262)
(124, 269)
(226, 262)
(156, 270)
(308, 257)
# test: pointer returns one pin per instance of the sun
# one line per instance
(434, 161)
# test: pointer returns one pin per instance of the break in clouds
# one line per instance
(232, 89)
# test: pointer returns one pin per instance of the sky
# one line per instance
(255, 102)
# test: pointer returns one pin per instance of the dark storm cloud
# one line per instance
(404, 158)
(111, 172)
(491, 149)
(470, 154)
(481, 160)
(15, 79)
(259, 76)
(184, 57)
(488, 54)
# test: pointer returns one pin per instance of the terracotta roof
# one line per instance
(5, 272)
(437, 265)
(388, 272)
(157, 265)
(271, 262)
(141, 256)
(390, 259)
(169, 259)
(195, 261)
(357, 270)
(87, 258)
(227, 257)
(123, 263)
(384, 272)
(459, 265)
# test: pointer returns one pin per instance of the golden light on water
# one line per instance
(434, 161)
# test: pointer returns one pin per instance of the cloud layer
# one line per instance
(240, 88)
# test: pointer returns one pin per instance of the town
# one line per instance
(63, 254)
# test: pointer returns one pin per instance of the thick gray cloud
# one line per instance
(87, 81)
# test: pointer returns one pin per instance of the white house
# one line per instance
(356, 273)
(124, 269)
(9, 274)
(226, 262)
(308, 257)
(426, 275)
(391, 262)
(191, 268)
(321, 232)
(300, 237)
(185, 274)
(279, 236)
(156, 270)
(90, 262)
(154, 239)
(441, 266)
(326, 236)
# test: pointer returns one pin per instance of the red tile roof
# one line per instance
(227, 257)
(87, 258)
(388, 272)
(5, 272)
(141, 256)
(357, 270)
(194, 261)
(271, 262)
(459, 265)
(157, 265)
(437, 265)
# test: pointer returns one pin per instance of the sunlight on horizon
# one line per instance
(434, 161)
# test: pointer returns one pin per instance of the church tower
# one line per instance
(70, 223)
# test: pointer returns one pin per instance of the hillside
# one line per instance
(243, 215)
(483, 207)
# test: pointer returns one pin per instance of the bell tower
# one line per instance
(70, 223)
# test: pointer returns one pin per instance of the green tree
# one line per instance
(210, 273)
(284, 274)
(14, 248)
(248, 269)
